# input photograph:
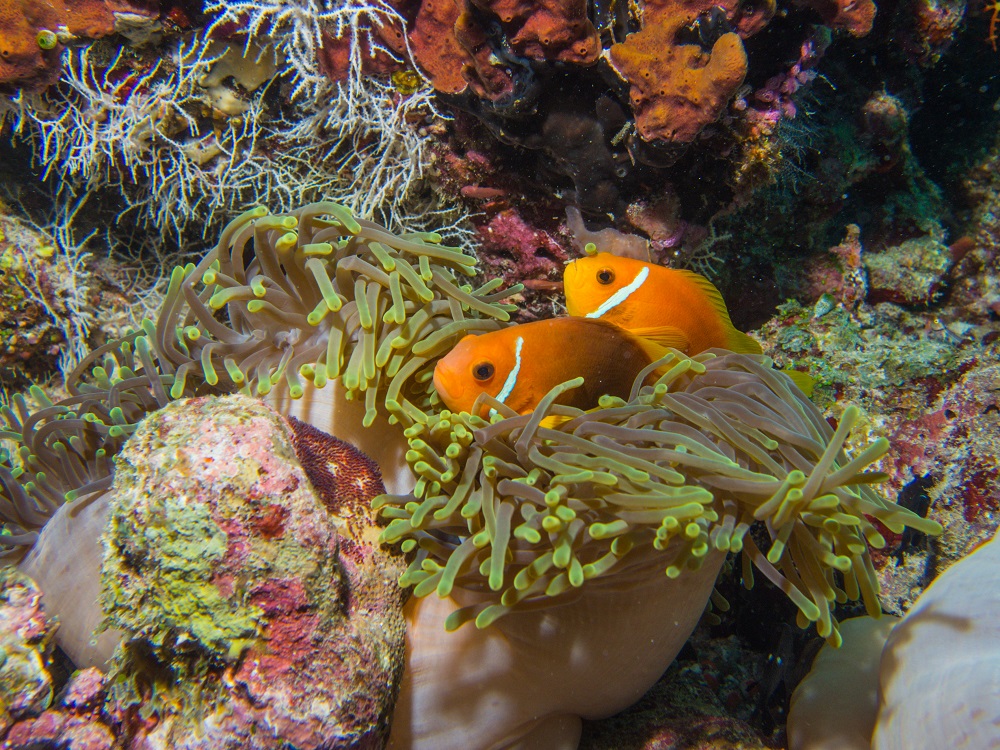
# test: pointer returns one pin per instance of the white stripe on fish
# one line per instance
(511, 381)
(621, 295)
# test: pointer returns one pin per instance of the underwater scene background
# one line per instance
(475, 374)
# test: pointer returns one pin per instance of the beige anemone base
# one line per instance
(526, 681)
(66, 564)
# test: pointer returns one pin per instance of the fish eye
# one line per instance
(483, 371)
(605, 276)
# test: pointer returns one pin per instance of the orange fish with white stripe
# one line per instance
(670, 306)
(519, 364)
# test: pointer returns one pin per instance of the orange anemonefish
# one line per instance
(670, 306)
(518, 365)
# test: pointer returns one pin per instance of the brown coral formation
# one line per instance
(31, 32)
(548, 29)
(256, 613)
(451, 49)
(677, 89)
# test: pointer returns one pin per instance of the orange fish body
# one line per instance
(520, 364)
(671, 306)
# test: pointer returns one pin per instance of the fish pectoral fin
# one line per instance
(663, 336)
(553, 421)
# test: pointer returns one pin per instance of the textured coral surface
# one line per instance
(27, 59)
(26, 643)
(677, 89)
(77, 719)
(227, 571)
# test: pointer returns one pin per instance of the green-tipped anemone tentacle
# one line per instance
(539, 507)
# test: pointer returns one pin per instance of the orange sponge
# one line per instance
(676, 89)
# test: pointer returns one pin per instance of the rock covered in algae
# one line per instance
(912, 273)
(25, 643)
(258, 609)
(77, 721)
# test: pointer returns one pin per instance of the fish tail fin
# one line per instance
(805, 382)
(554, 420)
(741, 343)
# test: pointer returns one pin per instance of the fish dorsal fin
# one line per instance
(711, 292)
(660, 338)
(738, 341)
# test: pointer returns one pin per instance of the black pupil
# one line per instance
(483, 371)
(605, 276)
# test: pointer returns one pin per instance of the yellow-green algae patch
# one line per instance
(185, 545)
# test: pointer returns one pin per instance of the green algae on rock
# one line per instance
(247, 611)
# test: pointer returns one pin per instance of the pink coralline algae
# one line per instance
(258, 610)
(77, 722)
(775, 100)
(514, 249)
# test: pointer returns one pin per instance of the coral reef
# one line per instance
(187, 125)
(285, 333)
(738, 138)
(677, 89)
(77, 720)
(26, 637)
(33, 33)
(34, 316)
(913, 273)
(854, 16)
(323, 297)
(257, 612)
(922, 377)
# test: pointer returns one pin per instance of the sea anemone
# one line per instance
(315, 295)
(283, 305)
(550, 531)
(928, 679)
(65, 449)
(528, 528)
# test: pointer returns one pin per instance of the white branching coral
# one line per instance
(364, 122)
(51, 266)
(301, 27)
